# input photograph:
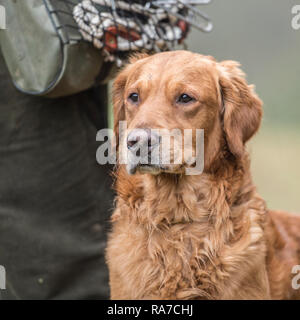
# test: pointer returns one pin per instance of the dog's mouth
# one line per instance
(144, 168)
(154, 169)
(147, 168)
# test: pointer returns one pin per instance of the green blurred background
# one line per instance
(258, 34)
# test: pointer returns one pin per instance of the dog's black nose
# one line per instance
(142, 137)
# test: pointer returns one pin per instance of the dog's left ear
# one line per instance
(241, 107)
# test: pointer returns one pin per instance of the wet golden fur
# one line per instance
(208, 236)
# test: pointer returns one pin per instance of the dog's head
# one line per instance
(161, 96)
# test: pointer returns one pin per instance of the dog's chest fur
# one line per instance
(187, 242)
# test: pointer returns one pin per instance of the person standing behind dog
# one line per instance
(54, 198)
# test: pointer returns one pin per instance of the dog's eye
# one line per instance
(185, 98)
(134, 97)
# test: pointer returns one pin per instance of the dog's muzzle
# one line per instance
(143, 151)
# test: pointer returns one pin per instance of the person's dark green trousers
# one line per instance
(55, 200)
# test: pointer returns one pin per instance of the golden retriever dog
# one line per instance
(204, 236)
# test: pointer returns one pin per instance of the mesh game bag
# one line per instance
(61, 47)
(119, 27)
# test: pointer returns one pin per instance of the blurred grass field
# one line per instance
(275, 155)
